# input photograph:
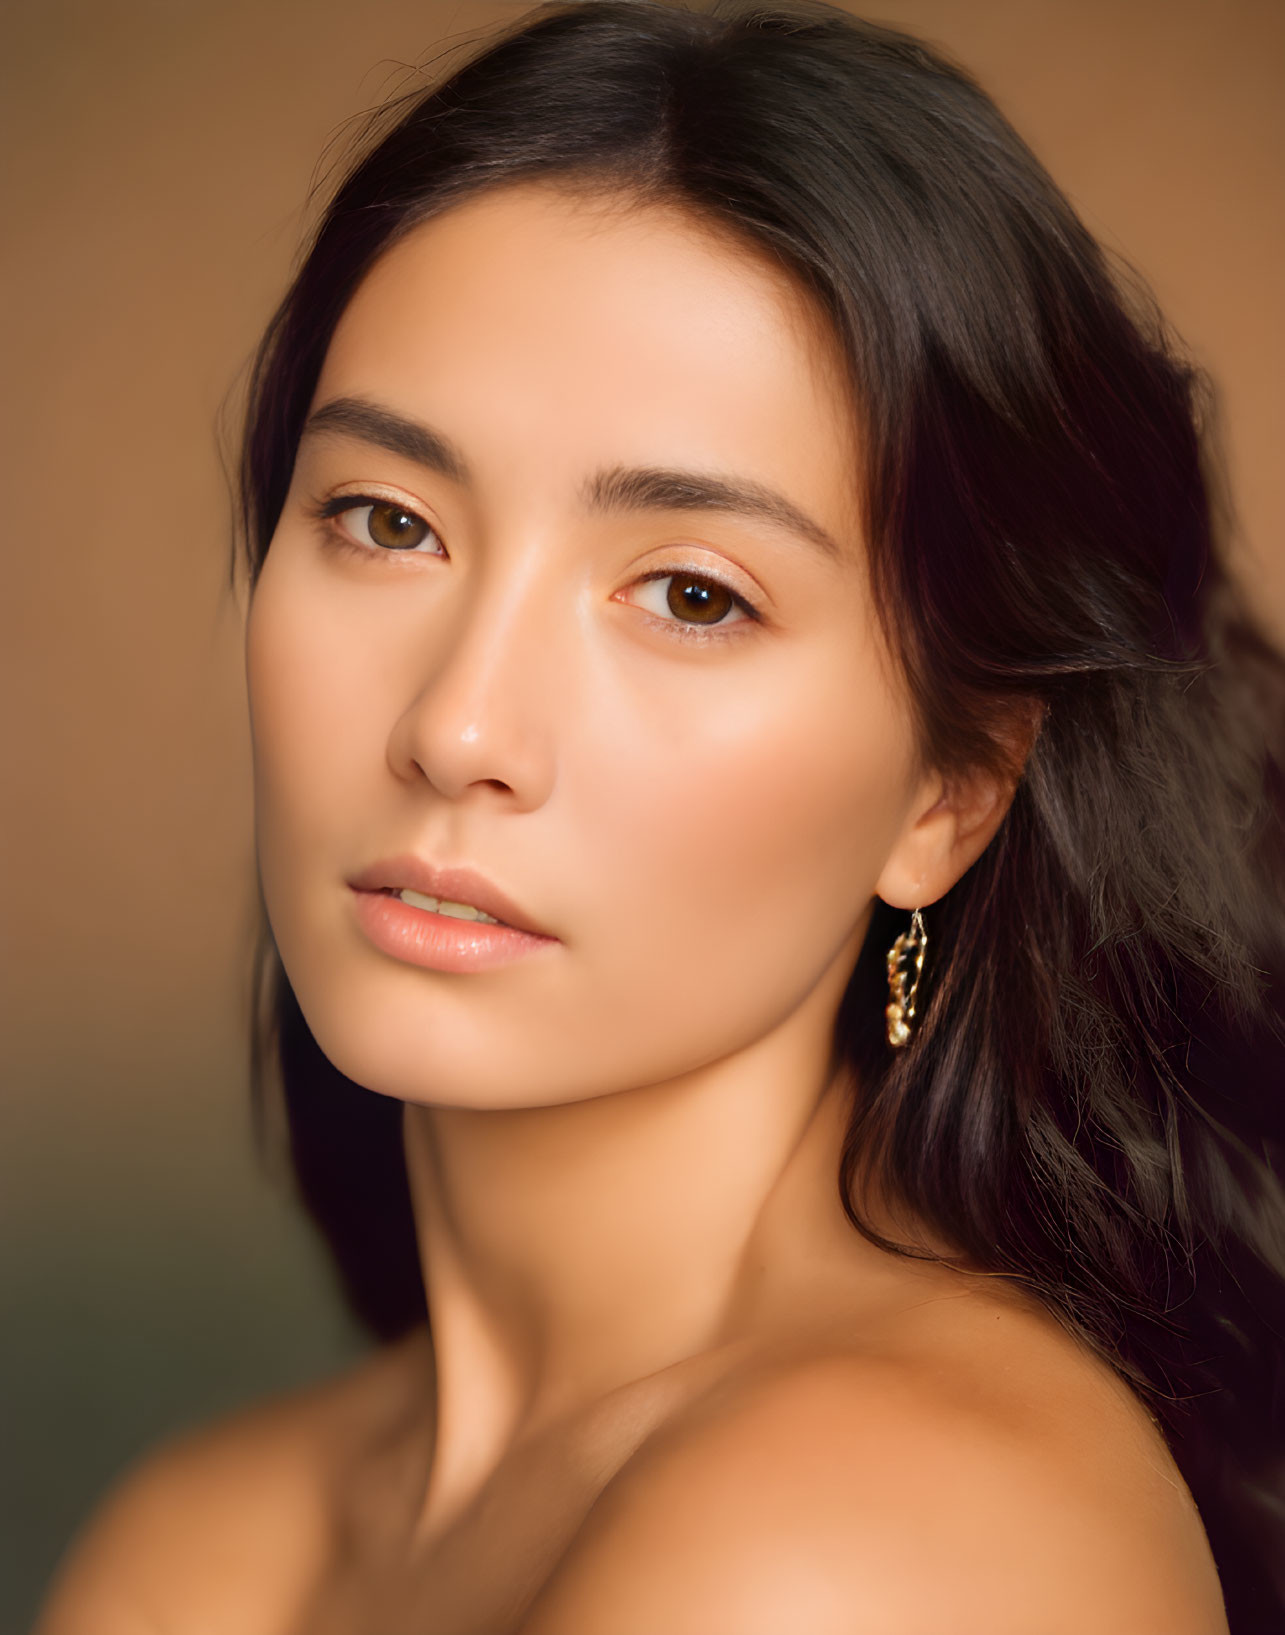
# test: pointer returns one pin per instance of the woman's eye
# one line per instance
(381, 524)
(693, 599)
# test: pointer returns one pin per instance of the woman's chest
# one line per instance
(480, 1574)
(478, 1580)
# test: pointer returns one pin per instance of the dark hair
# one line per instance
(1092, 1102)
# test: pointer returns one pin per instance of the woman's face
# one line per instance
(532, 655)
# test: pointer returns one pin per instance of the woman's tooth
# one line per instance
(417, 899)
(452, 911)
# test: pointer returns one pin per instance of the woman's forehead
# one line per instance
(542, 310)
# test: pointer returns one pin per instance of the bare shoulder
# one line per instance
(856, 1492)
(220, 1528)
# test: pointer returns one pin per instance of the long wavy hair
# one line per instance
(1092, 1102)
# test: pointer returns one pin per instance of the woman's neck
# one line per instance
(570, 1250)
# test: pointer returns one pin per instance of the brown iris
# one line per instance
(395, 529)
(707, 601)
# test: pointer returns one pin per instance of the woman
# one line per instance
(766, 818)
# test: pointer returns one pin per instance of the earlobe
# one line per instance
(955, 816)
(948, 829)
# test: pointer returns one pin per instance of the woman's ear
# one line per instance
(952, 819)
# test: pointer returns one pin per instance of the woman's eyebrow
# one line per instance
(614, 489)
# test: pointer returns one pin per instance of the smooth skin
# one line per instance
(671, 1390)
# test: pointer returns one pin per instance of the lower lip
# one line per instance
(438, 941)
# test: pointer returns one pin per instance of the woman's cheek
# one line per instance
(747, 850)
(317, 669)
(304, 715)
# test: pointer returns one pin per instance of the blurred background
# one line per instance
(157, 160)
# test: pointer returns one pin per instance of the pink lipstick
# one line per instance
(437, 933)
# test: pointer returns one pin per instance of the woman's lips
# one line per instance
(452, 883)
(439, 942)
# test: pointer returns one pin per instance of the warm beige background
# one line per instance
(157, 157)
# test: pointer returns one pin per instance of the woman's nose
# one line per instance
(483, 709)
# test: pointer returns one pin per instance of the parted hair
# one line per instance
(1092, 1101)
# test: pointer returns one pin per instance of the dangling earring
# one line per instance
(905, 960)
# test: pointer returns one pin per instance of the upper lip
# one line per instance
(455, 884)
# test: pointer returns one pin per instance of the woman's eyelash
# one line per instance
(718, 631)
(327, 511)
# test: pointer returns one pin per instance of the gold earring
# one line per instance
(905, 960)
